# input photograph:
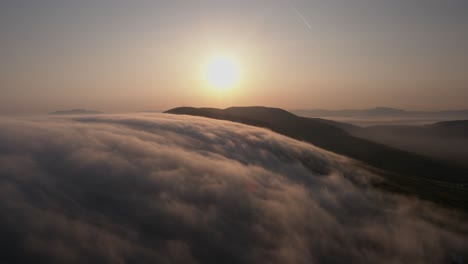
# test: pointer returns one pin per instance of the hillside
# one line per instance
(331, 137)
(381, 112)
(443, 140)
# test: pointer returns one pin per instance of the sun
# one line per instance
(222, 72)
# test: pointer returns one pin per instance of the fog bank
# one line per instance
(156, 188)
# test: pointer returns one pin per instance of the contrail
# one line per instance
(302, 17)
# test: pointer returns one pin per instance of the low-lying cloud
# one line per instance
(154, 188)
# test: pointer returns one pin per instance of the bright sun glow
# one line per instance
(222, 72)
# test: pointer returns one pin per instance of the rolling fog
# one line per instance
(172, 189)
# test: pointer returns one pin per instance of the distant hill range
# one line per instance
(75, 112)
(428, 177)
(446, 140)
(382, 112)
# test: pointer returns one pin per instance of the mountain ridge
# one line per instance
(330, 136)
(380, 112)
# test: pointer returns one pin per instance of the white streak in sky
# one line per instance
(302, 17)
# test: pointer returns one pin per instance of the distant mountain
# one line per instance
(333, 136)
(150, 111)
(453, 129)
(457, 128)
(75, 112)
(443, 140)
(382, 112)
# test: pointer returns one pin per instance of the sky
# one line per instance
(118, 56)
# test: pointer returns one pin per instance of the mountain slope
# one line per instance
(381, 112)
(444, 140)
(333, 138)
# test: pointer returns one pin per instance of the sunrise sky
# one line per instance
(116, 55)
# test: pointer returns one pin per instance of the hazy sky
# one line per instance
(116, 55)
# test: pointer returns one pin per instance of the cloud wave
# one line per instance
(154, 188)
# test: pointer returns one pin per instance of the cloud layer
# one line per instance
(154, 188)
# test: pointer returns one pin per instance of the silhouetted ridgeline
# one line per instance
(330, 136)
(412, 173)
(443, 140)
(381, 112)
